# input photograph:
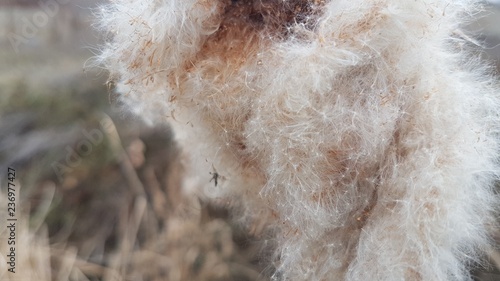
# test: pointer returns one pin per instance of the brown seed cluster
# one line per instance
(275, 16)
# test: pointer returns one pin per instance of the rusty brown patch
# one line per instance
(364, 25)
(273, 15)
(363, 217)
(246, 25)
(233, 44)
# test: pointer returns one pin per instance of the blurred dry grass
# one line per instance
(119, 214)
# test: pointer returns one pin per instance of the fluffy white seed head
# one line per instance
(359, 132)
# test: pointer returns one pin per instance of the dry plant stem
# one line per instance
(44, 207)
(85, 267)
(127, 241)
(161, 205)
(67, 264)
(361, 136)
(127, 167)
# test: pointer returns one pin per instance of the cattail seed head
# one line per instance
(361, 134)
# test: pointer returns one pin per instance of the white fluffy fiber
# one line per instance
(354, 131)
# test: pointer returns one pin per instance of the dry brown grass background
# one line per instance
(118, 214)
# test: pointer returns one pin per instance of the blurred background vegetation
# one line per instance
(98, 194)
